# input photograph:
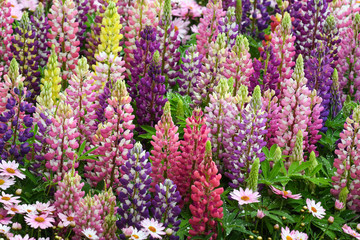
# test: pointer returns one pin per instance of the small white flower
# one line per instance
(90, 234)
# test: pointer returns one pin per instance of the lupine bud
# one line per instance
(343, 195)
(298, 153)
(254, 175)
(277, 155)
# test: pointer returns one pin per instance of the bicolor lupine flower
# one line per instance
(272, 108)
(166, 144)
(143, 54)
(248, 140)
(295, 112)
(228, 25)
(220, 116)
(108, 203)
(164, 206)
(193, 152)
(68, 196)
(191, 67)
(282, 43)
(315, 123)
(88, 216)
(5, 36)
(134, 196)
(309, 30)
(205, 194)
(63, 140)
(208, 27)
(62, 19)
(150, 99)
(24, 49)
(212, 70)
(141, 14)
(349, 59)
(113, 138)
(318, 72)
(41, 27)
(239, 65)
(347, 163)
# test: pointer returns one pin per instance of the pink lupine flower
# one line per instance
(315, 208)
(285, 193)
(6, 31)
(10, 169)
(42, 221)
(246, 196)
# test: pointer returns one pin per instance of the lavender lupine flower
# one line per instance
(143, 55)
(40, 24)
(24, 49)
(226, 4)
(165, 209)
(228, 25)
(102, 104)
(309, 31)
(318, 71)
(150, 100)
(249, 140)
(241, 9)
(191, 68)
(134, 197)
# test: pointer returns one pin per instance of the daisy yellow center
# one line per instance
(90, 236)
(14, 209)
(10, 170)
(176, 28)
(245, 198)
(40, 219)
(29, 210)
(1, 216)
(151, 228)
(285, 193)
(2, 230)
(2, 181)
(313, 209)
(135, 236)
(70, 219)
(289, 238)
(5, 198)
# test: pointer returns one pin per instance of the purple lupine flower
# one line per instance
(226, 4)
(191, 68)
(103, 103)
(309, 31)
(83, 8)
(24, 49)
(134, 197)
(41, 26)
(244, 7)
(318, 71)
(143, 55)
(259, 17)
(228, 25)
(270, 74)
(165, 209)
(150, 100)
(249, 141)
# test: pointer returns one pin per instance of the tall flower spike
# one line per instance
(335, 103)
(193, 152)
(248, 140)
(166, 144)
(332, 39)
(272, 108)
(205, 194)
(191, 67)
(295, 112)
(220, 115)
(135, 182)
(213, 70)
(84, 7)
(63, 32)
(114, 139)
(5, 36)
(152, 89)
(52, 77)
(259, 17)
(347, 175)
(252, 183)
(164, 206)
(107, 200)
(282, 43)
(229, 26)
(298, 152)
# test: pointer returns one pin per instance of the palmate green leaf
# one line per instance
(316, 169)
(203, 237)
(149, 129)
(184, 227)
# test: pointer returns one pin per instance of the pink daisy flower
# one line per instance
(30, 4)
(9, 199)
(187, 9)
(44, 208)
(153, 227)
(127, 231)
(11, 169)
(19, 237)
(4, 229)
(39, 221)
(14, 209)
(183, 28)
(350, 231)
(286, 234)
(90, 234)
(6, 182)
(245, 197)
(67, 220)
(315, 208)
(28, 208)
(4, 219)
(138, 235)
(285, 193)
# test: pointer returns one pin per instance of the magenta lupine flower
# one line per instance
(206, 203)
(5, 36)
(285, 193)
(62, 19)
(166, 144)
(272, 108)
(193, 152)
(114, 139)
